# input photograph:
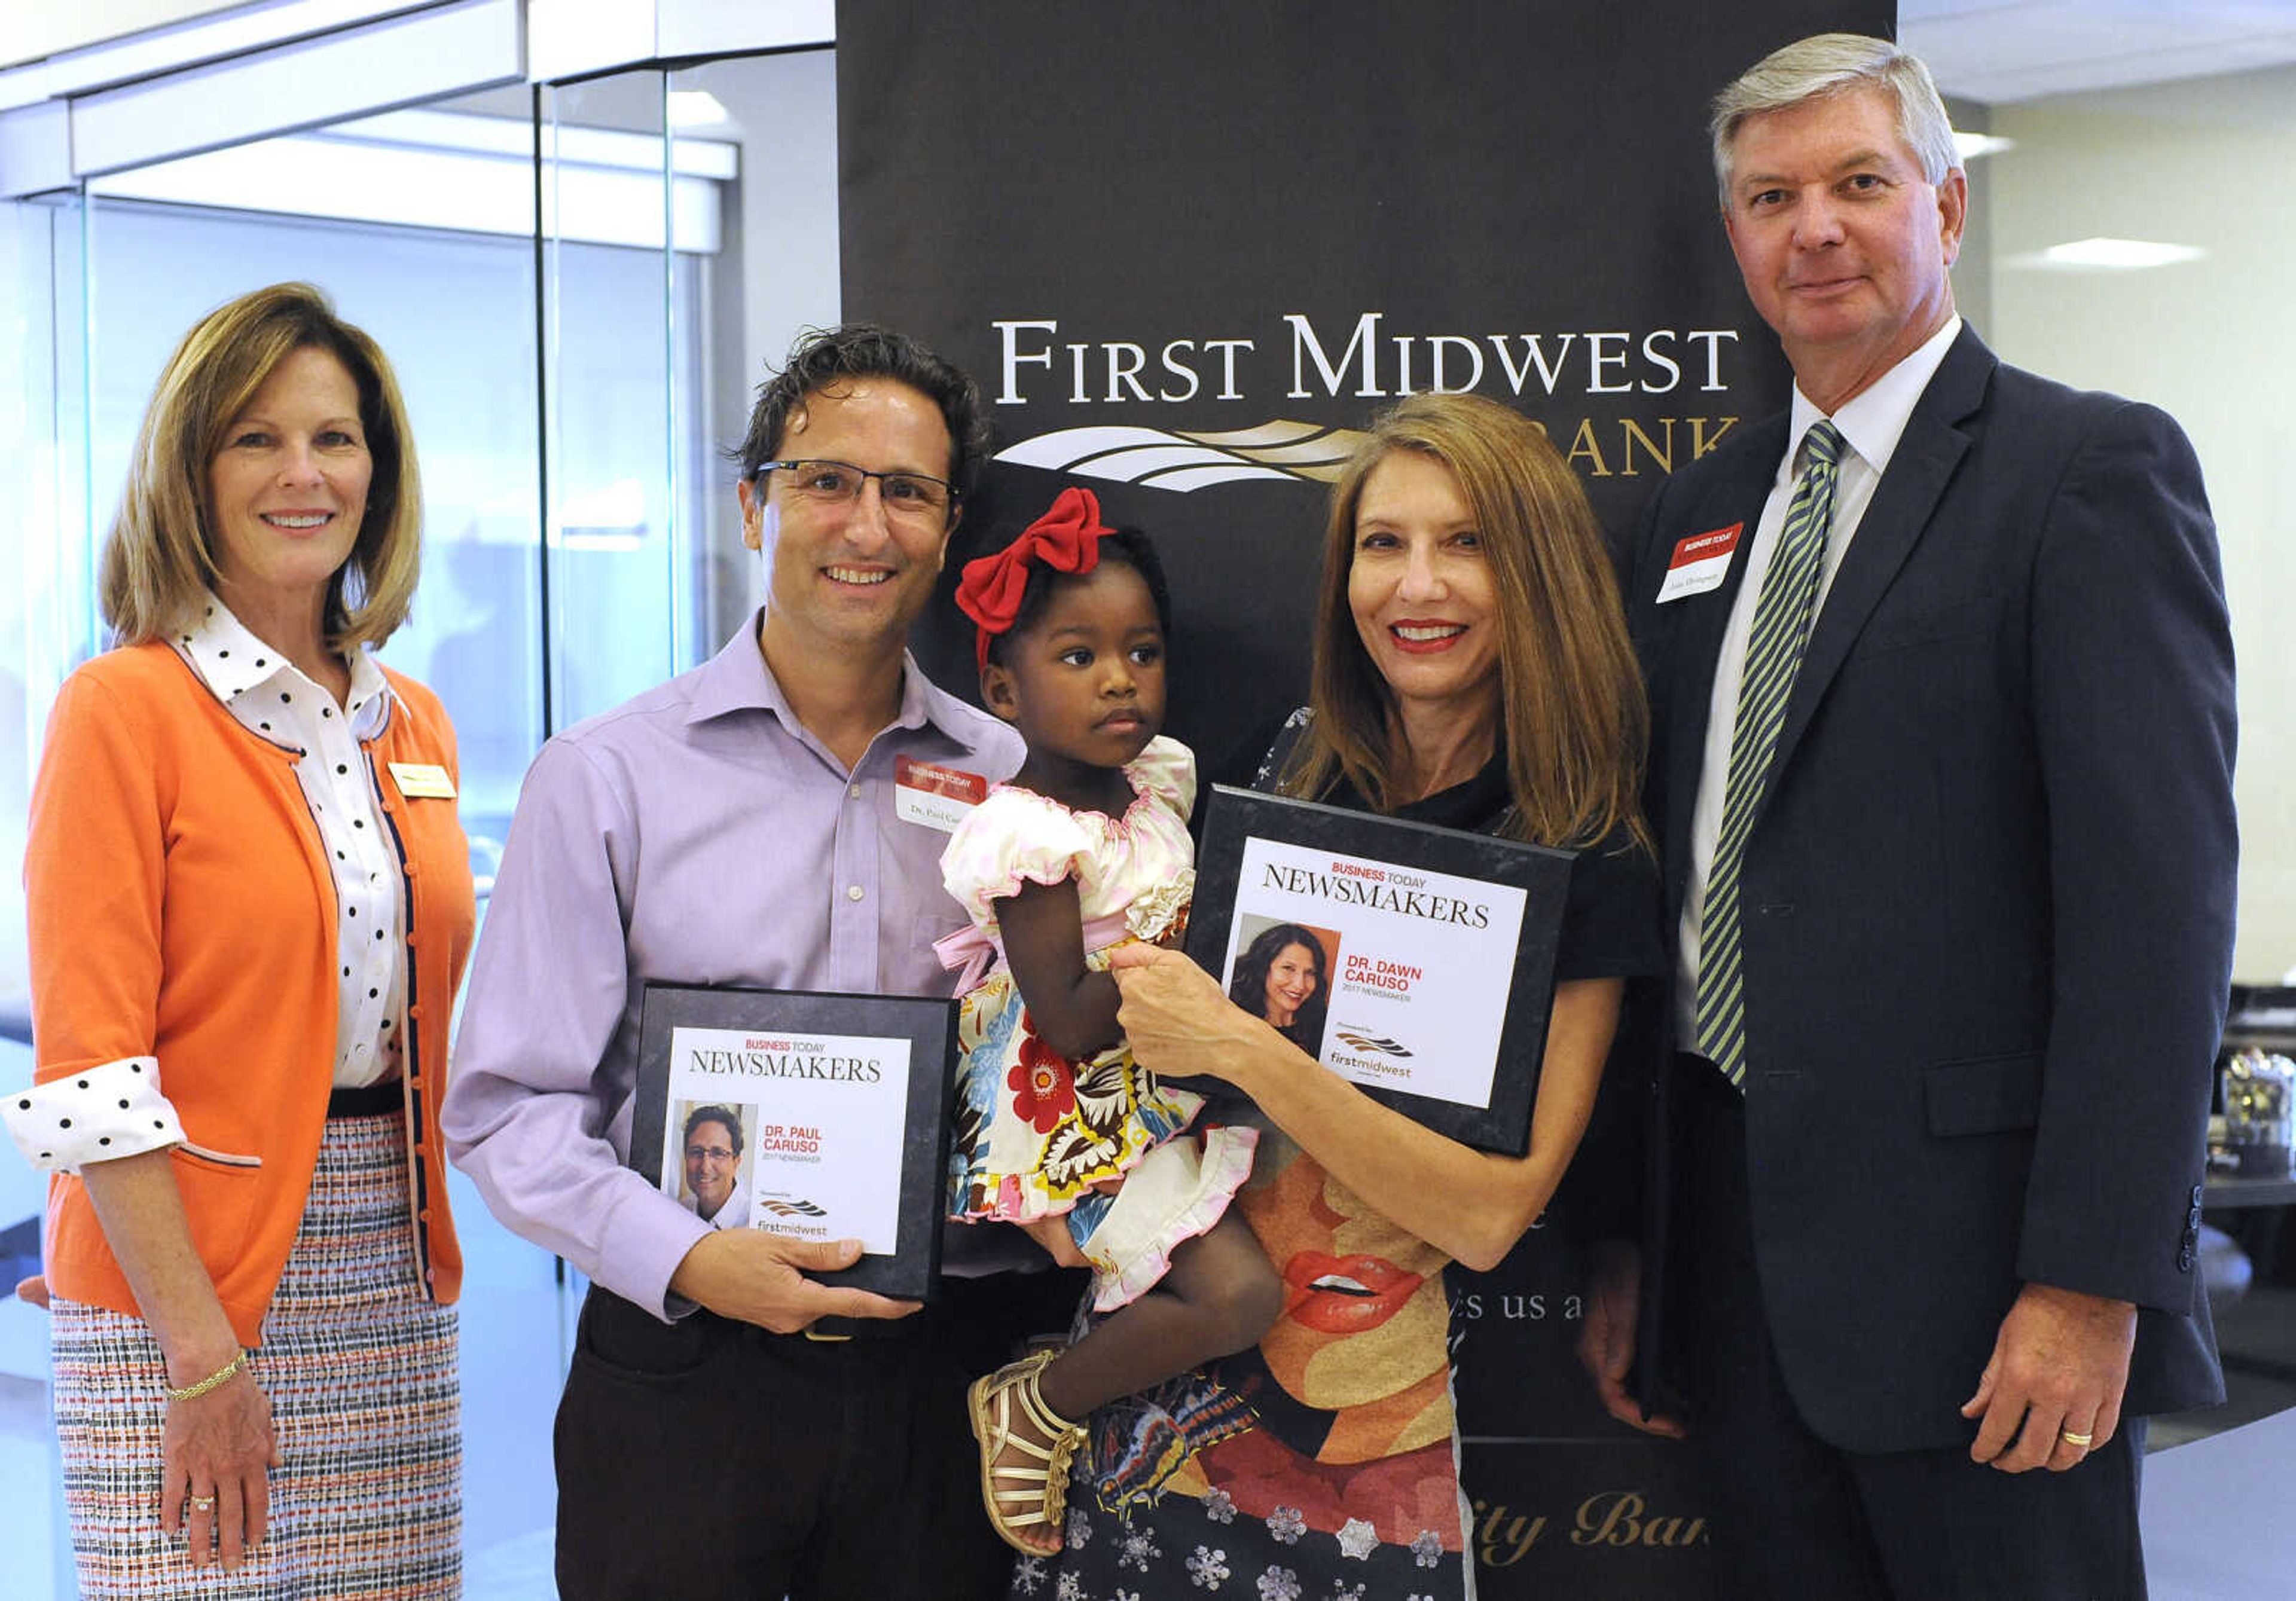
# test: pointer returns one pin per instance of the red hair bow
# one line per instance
(1065, 538)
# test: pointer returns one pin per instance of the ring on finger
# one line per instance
(2080, 1441)
(201, 1503)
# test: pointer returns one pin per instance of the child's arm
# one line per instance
(1072, 1007)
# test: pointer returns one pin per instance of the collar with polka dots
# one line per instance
(235, 664)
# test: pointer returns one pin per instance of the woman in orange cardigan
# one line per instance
(249, 904)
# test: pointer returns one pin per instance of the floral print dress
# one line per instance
(1035, 1134)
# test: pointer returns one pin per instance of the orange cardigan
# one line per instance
(181, 908)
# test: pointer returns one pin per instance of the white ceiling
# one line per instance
(2000, 51)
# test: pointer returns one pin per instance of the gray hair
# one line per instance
(1834, 63)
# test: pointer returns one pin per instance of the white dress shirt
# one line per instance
(734, 1214)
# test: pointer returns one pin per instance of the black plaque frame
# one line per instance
(1234, 816)
(929, 1027)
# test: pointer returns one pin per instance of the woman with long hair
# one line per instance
(1282, 977)
(1472, 670)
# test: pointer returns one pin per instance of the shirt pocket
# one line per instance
(1983, 1094)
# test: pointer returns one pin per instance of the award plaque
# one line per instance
(1417, 962)
(819, 1116)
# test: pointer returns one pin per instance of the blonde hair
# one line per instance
(1574, 721)
(160, 557)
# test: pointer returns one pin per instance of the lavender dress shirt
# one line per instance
(697, 834)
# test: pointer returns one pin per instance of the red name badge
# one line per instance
(1700, 562)
(938, 797)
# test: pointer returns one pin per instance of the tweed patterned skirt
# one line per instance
(360, 1371)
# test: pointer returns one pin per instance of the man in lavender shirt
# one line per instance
(744, 824)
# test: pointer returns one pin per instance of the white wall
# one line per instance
(2213, 341)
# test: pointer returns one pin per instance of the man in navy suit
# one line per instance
(1949, 851)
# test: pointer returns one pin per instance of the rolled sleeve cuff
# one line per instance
(642, 1250)
(100, 1115)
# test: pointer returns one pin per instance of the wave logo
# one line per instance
(1374, 1043)
(793, 1209)
(1276, 452)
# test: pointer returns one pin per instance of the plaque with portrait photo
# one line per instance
(1414, 961)
(815, 1115)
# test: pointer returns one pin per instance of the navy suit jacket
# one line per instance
(1987, 900)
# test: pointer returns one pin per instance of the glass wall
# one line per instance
(557, 274)
(47, 615)
(621, 457)
(45, 623)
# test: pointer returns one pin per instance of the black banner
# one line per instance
(1185, 251)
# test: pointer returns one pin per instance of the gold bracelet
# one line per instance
(215, 1380)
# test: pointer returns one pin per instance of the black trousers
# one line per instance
(1797, 1518)
(708, 1459)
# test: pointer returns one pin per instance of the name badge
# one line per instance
(422, 780)
(936, 796)
(1701, 562)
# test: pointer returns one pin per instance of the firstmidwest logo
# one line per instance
(1377, 1044)
(796, 1207)
(1281, 452)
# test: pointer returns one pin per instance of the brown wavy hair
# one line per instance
(159, 558)
(1575, 723)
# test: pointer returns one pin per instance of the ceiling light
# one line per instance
(2116, 255)
(1970, 146)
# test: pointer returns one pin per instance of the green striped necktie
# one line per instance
(1774, 650)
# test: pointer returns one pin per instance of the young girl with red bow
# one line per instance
(1057, 1128)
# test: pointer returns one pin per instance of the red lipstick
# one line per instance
(1346, 1294)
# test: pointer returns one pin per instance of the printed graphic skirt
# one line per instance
(360, 1371)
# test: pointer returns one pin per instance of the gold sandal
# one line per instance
(1022, 1498)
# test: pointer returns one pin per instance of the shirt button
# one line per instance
(855, 791)
(853, 891)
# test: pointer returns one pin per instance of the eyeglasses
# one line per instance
(837, 484)
(709, 1153)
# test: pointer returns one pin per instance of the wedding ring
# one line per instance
(201, 1503)
(2070, 1438)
